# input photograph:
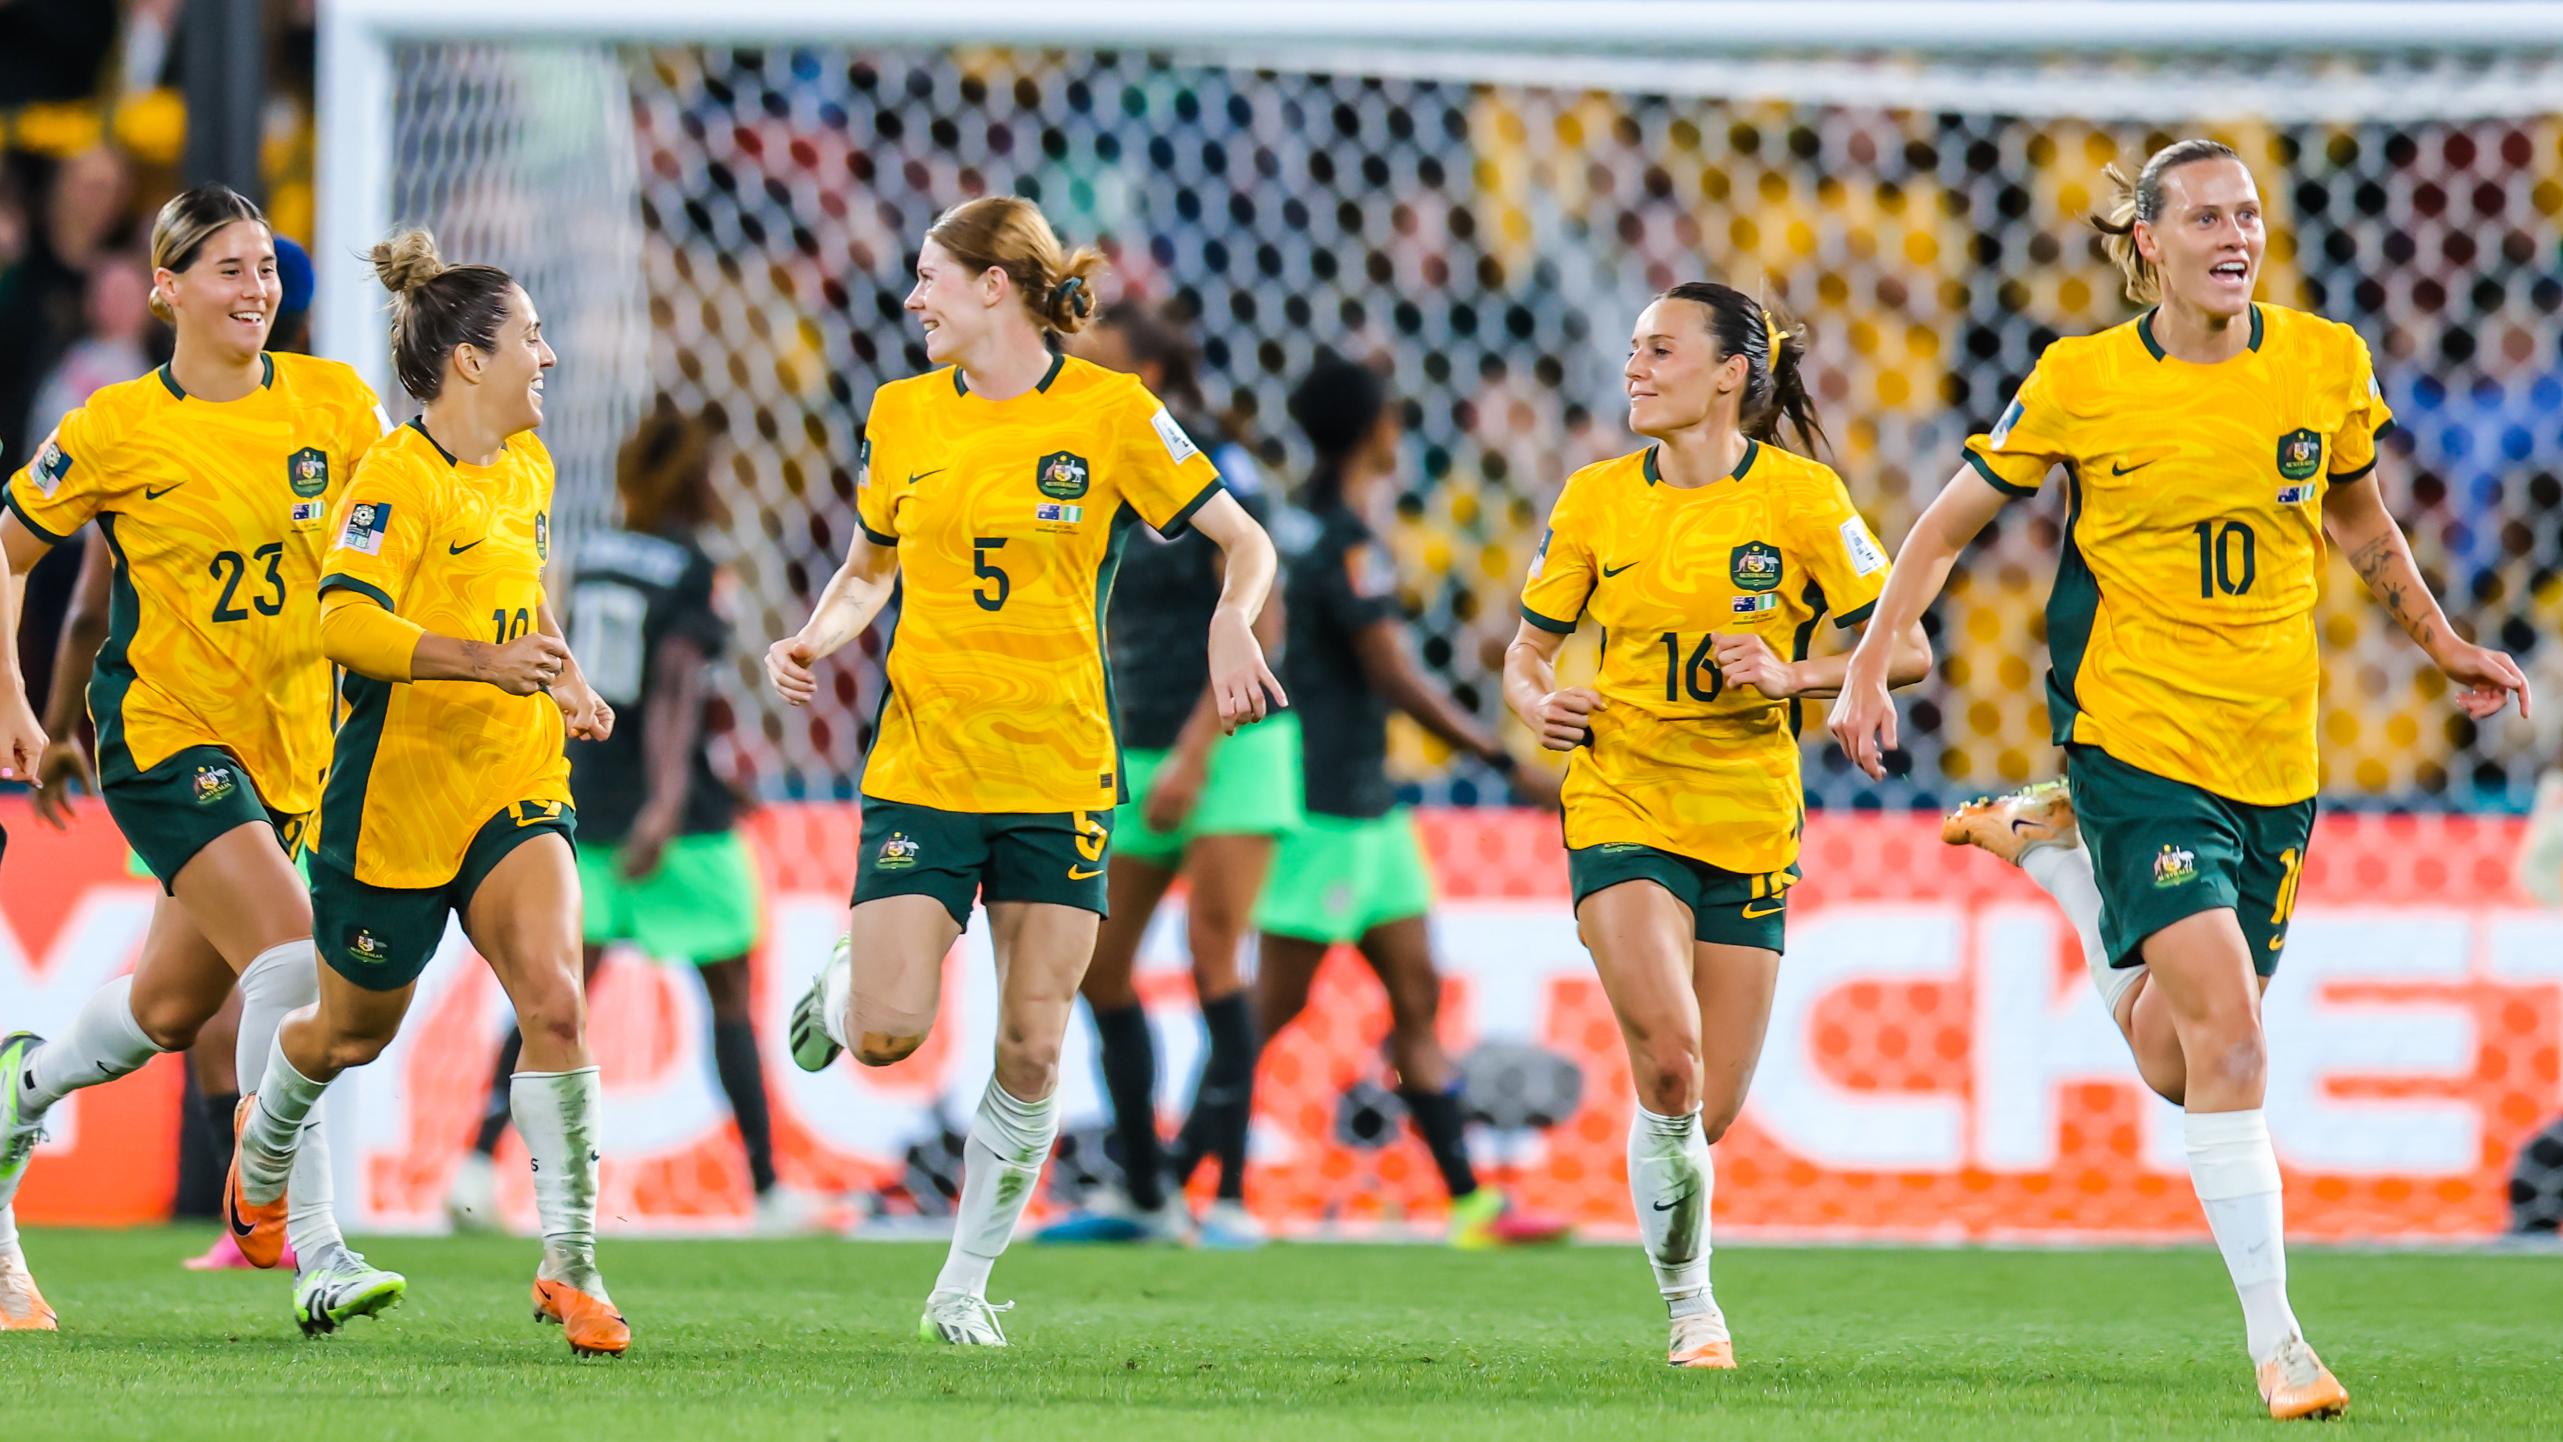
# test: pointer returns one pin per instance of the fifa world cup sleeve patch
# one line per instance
(1179, 447)
(365, 527)
(53, 463)
(1864, 554)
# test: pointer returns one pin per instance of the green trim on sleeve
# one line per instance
(1181, 521)
(1993, 480)
(366, 589)
(1854, 616)
(2343, 478)
(875, 537)
(9, 497)
(1549, 624)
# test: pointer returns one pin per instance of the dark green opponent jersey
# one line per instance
(633, 592)
(1338, 581)
(1161, 603)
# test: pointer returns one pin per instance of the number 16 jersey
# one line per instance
(420, 766)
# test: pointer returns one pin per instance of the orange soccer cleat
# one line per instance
(591, 1324)
(2008, 826)
(2295, 1384)
(1701, 1342)
(257, 1228)
(22, 1307)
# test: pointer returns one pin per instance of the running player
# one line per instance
(661, 864)
(210, 480)
(448, 792)
(1203, 805)
(1709, 559)
(2207, 448)
(1000, 487)
(1353, 872)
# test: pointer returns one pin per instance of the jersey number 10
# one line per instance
(509, 626)
(2228, 558)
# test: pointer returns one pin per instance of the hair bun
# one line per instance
(407, 261)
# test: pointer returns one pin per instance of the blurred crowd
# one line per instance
(1487, 244)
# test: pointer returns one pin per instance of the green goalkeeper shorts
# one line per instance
(1250, 788)
(1337, 877)
(701, 904)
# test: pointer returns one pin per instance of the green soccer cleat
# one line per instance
(329, 1296)
(962, 1320)
(812, 1047)
(19, 1132)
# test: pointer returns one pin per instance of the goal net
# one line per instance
(724, 211)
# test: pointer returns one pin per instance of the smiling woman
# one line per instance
(208, 480)
(2208, 448)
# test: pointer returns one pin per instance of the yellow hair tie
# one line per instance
(1771, 334)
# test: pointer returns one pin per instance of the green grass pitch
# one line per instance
(789, 1340)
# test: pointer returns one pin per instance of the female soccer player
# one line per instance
(661, 863)
(2208, 447)
(999, 486)
(448, 792)
(1708, 559)
(1204, 805)
(210, 480)
(1353, 872)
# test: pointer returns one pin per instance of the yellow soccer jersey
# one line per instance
(1008, 517)
(1679, 760)
(215, 515)
(421, 766)
(2181, 627)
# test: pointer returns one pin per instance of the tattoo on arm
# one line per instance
(2386, 565)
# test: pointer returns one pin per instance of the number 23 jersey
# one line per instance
(1009, 519)
(2181, 628)
(1681, 760)
(421, 766)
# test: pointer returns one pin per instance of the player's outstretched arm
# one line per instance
(2355, 516)
(852, 597)
(1864, 718)
(22, 737)
(1239, 677)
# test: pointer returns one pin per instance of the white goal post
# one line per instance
(356, 84)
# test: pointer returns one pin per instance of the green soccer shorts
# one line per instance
(1334, 878)
(1250, 788)
(701, 905)
(1730, 908)
(957, 857)
(2164, 850)
(382, 937)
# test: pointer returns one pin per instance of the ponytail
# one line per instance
(1774, 346)
(2141, 199)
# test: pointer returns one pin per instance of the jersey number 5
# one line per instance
(229, 567)
(987, 573)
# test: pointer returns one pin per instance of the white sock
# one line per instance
(8, 1232)
(274, 1131)
(1670, 1184)
(103, 1043)
(1009, 1142)
(2064, 873)
(556, 1115)
(2236, 1174)
(276, 982)
(311, 1216)
(836, 992)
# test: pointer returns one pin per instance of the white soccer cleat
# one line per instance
(330, 1296)
(961, 1320)
(471, 1200)
(22, 1307)
(21, 1127)
(1228, 1227)
(1700, 1341)
(814, 1045)
(791, 1212)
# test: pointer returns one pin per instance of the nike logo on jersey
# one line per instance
(916, 476)
(456, 548)
(1084, 873)
(153, 493)
(1773, 909)
(1610, 571)
(2116, 469)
